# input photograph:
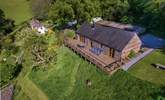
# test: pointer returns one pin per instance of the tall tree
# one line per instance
(40, 8)
(6, 25)
(86, 9)
(81, 10)
(114, 9)
(61, 12)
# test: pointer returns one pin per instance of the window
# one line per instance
(111, 52)
(91, 44)
(82, 39)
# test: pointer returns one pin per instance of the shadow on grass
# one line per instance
(163, 50)
(18, 70)
(159, 95)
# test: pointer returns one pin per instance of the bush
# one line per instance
(35, 68)
(77, 26)
(126, 20)
(8, 71)
(70, 33)
(7, 42)
(132, 54)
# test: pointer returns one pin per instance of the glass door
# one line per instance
(111, 52)
(82, 39)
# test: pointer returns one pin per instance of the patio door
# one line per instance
(111, 52)
(91, 44)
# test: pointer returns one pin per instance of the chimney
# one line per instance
(93, 25)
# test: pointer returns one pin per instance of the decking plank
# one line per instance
(102, 61)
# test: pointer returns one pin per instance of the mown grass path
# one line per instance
(31, 90)
(72, 82)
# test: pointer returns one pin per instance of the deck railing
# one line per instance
(89, 56)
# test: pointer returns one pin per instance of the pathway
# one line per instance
(72, 80)
(136, 59)
(31, 90)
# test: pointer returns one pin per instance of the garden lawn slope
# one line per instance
(17, 10)
(146, 71)
(67, 80)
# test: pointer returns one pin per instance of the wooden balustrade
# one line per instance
(101, 61)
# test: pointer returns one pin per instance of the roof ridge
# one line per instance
(114, 28)
(109, 36)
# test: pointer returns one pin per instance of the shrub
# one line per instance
(35, 68)
(77, 26)
(70, 33)
(132, 54)
(126, 20)
(8, 71)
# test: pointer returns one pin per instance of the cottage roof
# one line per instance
(110, 36)
(36, 24)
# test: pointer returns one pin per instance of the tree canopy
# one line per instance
(40, 8)
(150, 13)
(6, 25)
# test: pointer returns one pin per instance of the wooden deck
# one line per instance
(102, 61)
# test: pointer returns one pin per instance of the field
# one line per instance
(67, 80)
(145, 70)
(17, 10)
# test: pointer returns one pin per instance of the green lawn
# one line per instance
(67, 80)
(30, 90)
(145, 71)
(25, 89)
(18, 10)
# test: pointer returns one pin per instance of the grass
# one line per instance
(28, 90)
(31, 90)
(67, 80)
(17, 10)
(25, 89)
(145, 71)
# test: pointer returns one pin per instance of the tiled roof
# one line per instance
(36, 24)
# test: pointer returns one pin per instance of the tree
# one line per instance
(85, 10)
(61, 12)
(40, 8)
(126, 19)
(74, 10)
(8, 71)
(6, 25)
(114, 9)
(40, 48)
(8, 67)
(2, 18)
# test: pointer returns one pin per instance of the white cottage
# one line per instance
(35, 24)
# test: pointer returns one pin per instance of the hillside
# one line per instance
(41, 67)
(67, 80)
(17, 10)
